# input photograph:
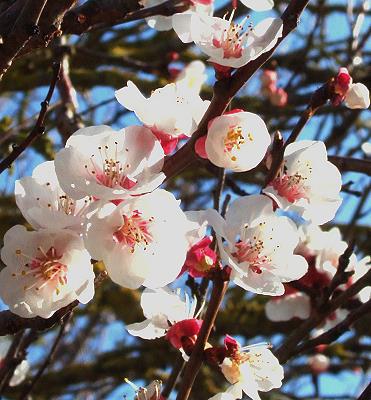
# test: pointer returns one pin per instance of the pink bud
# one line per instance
(340, 86)
(200, 147)
(231, 345)
(319, 363)
(279, 97)
(200, 258)
(269, 77)
(342, 82)
(186, 328)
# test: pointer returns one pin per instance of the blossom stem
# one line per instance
(194, 364)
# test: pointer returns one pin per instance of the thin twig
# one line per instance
(28, 389)
(24, 28)
(334, 333)
(39, 128)
(173, 377)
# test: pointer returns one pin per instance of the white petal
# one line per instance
(358, 96)
(145, 330)
(258, 5)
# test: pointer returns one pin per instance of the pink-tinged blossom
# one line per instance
(258, 245)
(171, 112)
(319, 363)
(284, 308)
(167, 314)
(45, 271)
(201, 259)
(225, 42)
(355, 95)
(45, 205)
(269, 78)
(142, 241)
(237, 141)
(278, 97)
(109, 165)
(308, 183)
(250, 370)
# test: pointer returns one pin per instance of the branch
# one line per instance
(195, 361)
(334, 333)
(98, 14)
(351, 164)
(226, 89)
(366, 394)
(11, 323)
(39, 128)
(25, 26)
(285, 352)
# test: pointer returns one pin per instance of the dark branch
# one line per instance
(39, 128)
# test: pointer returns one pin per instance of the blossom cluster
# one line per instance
(100, 200)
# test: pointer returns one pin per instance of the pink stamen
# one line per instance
(134, 231)
(290, 187)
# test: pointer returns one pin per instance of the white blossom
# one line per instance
(360, 268)
(45, 271)
(358, 96)
(170, 112)
(308, 183)
(165, 23)
(44, 204)
(237, 141)
(192, 77)
(109, 165)
(366, 148)
(259, 245)
(258, 5)
(142, 241)
(223, 40)
(162, 308)
(251, 369)
(150, 392)
(288, 306)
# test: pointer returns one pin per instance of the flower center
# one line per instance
(250, 252)
(251, 249)
(45, 269)
(292, 187)
(234, 139)
(109, 171)
(134, 231)
(231, 39)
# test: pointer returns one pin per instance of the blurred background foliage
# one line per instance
(96, 353)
